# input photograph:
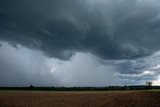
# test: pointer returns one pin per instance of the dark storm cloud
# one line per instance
(23, 67)
(110, 29)
(138, 70)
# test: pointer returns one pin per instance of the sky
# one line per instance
(79, 42)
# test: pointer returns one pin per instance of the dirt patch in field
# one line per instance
(80, 99)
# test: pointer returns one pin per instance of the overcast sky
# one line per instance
(79, 42)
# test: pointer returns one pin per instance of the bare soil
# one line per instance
(80, 99)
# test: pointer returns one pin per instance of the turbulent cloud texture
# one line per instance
(23, 67)
(51, 39)
(110, 29)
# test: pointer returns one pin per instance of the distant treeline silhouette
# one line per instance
(108, 88)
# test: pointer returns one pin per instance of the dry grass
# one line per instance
(80, 99)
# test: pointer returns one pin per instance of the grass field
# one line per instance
(80, 99)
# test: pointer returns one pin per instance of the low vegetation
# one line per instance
(109, 88)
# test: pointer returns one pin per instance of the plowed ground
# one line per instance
(80, 99)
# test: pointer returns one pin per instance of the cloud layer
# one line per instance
(23, 67)
(79, 42)
(110, 29)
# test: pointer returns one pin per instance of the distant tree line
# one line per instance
(109, 88)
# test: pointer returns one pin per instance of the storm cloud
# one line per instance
(23, 67)
(110, 29)
(79, 42)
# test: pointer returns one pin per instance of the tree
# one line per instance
(148, 84)
(31, 86)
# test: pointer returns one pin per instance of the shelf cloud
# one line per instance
(110, 29)
(120, 34)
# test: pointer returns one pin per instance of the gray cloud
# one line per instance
(23, 67)
(110, 29)
(84, 42)
(138, 71)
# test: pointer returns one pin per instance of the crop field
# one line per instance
(80, 99)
